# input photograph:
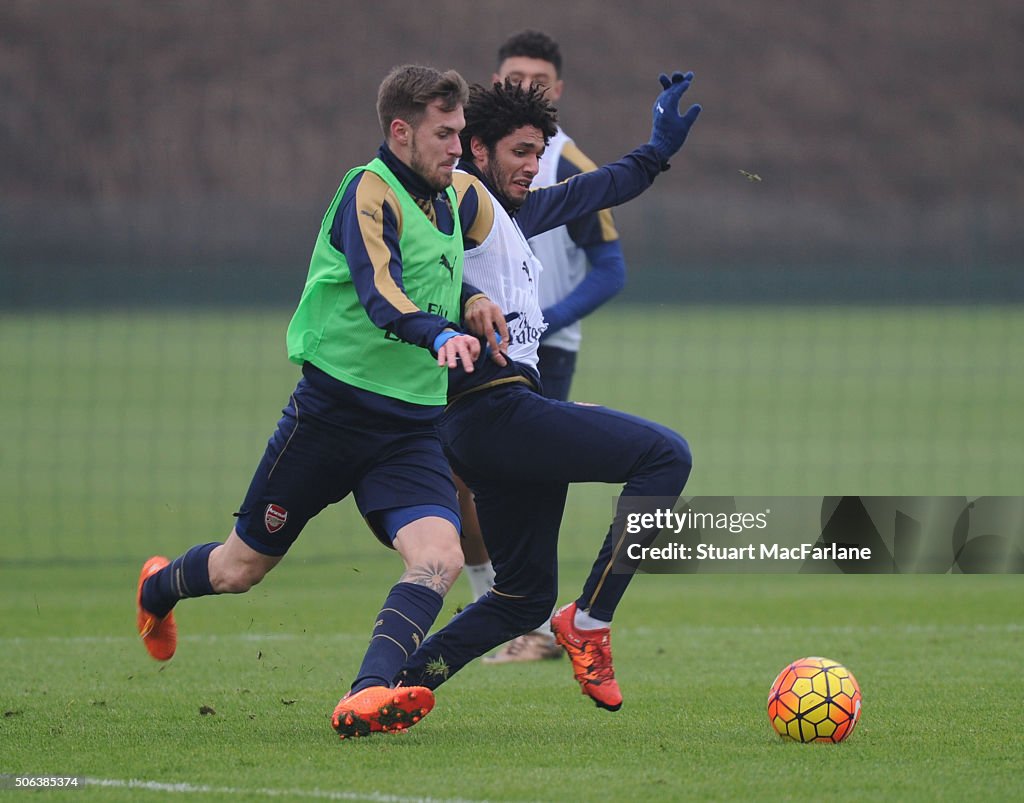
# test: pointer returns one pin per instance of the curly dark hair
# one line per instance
(494, 113)
(533, 45)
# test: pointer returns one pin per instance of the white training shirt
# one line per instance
(505, 268)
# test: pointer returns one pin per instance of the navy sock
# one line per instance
(402, 624)
(482, 625)
(186, 576)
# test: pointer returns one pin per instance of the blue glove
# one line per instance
(669, 130)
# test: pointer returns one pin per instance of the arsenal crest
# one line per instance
(274, 518)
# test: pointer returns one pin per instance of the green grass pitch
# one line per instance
(127, 434)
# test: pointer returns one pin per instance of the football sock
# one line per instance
(481, 578)
(584, 621)
(401, 626)
(186, 576)
(481, 626)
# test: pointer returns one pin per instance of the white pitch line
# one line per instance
(317, 794)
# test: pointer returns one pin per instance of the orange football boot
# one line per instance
(380, 708)
(159, 635)
(591, 655)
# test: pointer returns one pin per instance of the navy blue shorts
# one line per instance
(333, 440)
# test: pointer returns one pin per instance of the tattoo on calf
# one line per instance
(431, 575)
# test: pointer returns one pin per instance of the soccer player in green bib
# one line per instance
(375, 337)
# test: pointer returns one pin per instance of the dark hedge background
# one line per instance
(157, 151)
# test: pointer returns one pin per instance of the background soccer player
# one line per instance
(583, 262)
(386, 272)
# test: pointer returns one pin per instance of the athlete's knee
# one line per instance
(451, 559)
(447, 553)
(436, 564)
(670, 459)
(681, 456)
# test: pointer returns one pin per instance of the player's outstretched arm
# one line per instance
(670, 128)
(621, 181)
